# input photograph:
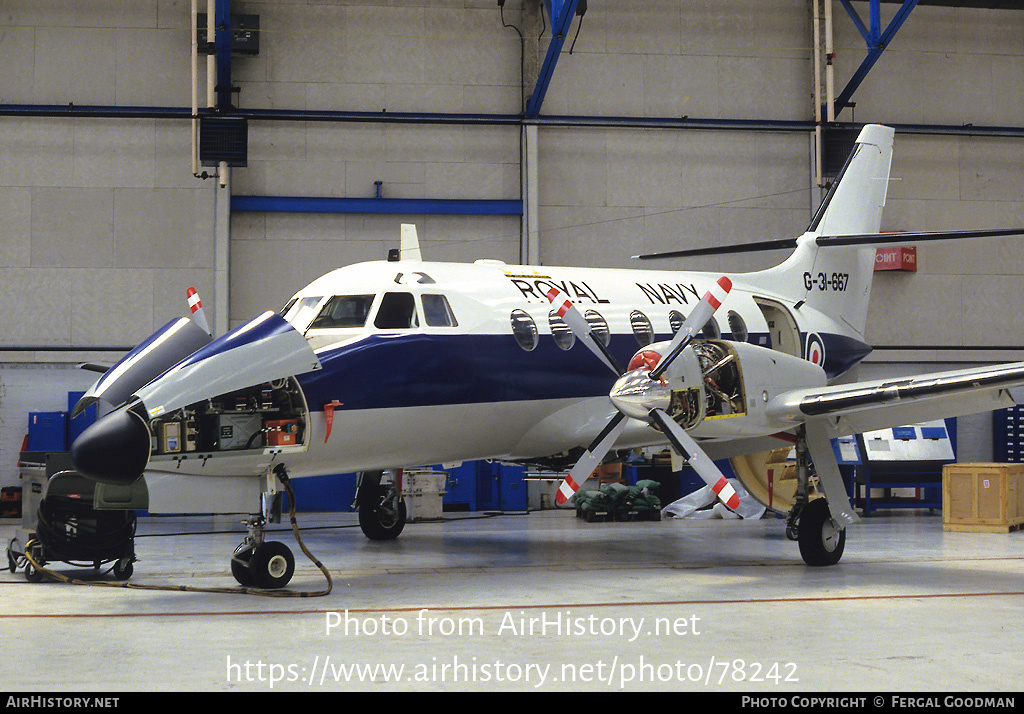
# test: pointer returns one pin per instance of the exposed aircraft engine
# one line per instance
(644, 393)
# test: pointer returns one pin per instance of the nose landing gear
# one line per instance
(260, 563)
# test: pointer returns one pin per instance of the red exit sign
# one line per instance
(901, 258)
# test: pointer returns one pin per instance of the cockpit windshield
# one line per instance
(343, 311)
(300, 311)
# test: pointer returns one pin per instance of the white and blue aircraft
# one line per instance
(388, 365)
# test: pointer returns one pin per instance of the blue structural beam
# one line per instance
(561, 13)
(875, 38)
(411, 206)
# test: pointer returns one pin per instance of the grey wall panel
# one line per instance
(963, 294)
(345, 160)
(945, 65)
(274, 255)
(612, 193)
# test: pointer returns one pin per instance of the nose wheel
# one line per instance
(269, 565)
(258, 562)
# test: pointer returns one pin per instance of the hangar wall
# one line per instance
(103, 225)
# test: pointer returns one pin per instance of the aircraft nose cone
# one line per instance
(114, 450)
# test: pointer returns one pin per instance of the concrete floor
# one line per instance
(677, 605)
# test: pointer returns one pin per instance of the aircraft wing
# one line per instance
(868, 406)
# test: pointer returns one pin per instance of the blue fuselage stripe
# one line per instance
(419, 369)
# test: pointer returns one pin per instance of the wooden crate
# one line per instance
(609, 473)
(983, 497)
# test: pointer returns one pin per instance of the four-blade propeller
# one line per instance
(641, 393)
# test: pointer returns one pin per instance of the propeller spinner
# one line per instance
(642, 393)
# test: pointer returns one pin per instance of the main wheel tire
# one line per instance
(272, 565)
(821, 540)
(381, 521)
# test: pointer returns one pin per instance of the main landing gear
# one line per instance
(382, 511)
(822, 539)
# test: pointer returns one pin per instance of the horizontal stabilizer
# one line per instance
(865, 239)
(780, 244)
(903, 238)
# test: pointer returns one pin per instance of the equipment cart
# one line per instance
(75, 520)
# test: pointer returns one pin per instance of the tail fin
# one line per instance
(854, 203)
(836, 281)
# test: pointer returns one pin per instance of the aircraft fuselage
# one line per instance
(425, 363)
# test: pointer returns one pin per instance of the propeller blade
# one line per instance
(564, 308)
(196, 305)
(693, 324)
(591, 459)
(700, 461)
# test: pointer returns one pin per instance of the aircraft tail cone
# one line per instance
(114, 450)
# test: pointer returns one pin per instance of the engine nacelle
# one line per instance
(706, 387)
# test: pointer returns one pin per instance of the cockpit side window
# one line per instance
(437, 312)
(343, 311)
(397, 312)
(300, 311)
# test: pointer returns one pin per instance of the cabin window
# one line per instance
(437, 312)
(560, 332)
(642, 329)
(711, 331)
(737, 327)
(300, 311)
(598, 326)
(525, 330)
(675, 321)
(397, 312)
(343, 311)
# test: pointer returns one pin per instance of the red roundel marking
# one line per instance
(815, 350)
(644, 357)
